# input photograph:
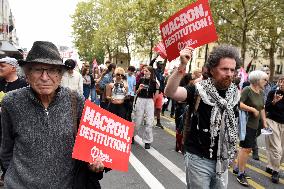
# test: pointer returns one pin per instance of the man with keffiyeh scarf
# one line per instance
(210, 138)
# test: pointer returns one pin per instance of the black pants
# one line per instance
(118, 109)
(129, 106)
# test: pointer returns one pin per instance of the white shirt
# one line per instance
(73, 81)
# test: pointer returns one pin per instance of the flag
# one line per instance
(160, 48)
(249, 65)
(243, 76)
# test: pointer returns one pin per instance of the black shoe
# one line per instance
(242, 180)
(255, 154)
(172, 116)
(147, 145)
(159, 125)
(163, 113)
(275, 177)
(236, 172)
(268, 170)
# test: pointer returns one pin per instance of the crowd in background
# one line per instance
(138, 95)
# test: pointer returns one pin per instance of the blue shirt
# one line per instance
(131, 81)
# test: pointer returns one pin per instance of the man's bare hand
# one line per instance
(97, 165)
(186, 55)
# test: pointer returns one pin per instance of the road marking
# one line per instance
(262, 172)
(171, 132)
(168, 118)
(144, 173)
(251, 182)
(264, 159)
(180, 174)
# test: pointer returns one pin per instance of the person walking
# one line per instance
(38, 127)
(131, 82)
(275, 142)
(71, 78)
(9, 81)
(210, 132)
(106, 78)
(88, 82)
(116, 93)
(144, 105)
(252, 101)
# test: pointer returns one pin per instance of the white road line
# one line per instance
(180, 174)
(145, 173)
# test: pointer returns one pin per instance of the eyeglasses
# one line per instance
(51, 72)
(121, 75)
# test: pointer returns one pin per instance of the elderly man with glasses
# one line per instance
(39, 124)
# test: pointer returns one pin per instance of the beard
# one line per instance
(224, 83)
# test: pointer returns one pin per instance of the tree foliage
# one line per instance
(107, 26)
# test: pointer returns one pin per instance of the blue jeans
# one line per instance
(201, 173)
(86, 91)
(94, 96)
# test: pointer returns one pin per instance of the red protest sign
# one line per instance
(105, 135)
(192, 26)
(160, 48)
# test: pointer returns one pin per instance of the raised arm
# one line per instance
(172, 89)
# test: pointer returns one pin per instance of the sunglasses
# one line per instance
(121, 75)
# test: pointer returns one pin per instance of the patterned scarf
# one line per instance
(222, 121)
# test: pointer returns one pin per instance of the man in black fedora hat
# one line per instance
(38, 125)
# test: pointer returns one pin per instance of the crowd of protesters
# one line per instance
(209, 107)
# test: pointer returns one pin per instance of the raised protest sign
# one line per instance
(161, 50)
(105, 135)
(192, 26)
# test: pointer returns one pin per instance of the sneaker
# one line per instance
(147, 145)
(159, 125)
(242, 180)
(268, 170)
(275, 177)
(236, 172)
(266, 131)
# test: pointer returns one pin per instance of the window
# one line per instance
(199, 52)
(281, 53)
(279, 69)
(252, 68)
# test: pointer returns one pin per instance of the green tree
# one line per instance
(84, 24)
(268, 35)
(235, 19)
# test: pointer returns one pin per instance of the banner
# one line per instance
(105, 135)
(192, 26)
(160, 48)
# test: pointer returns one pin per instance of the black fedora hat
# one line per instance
(43, 52)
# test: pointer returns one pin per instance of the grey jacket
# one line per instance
(37, 143)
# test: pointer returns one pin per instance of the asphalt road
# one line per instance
(163, 167)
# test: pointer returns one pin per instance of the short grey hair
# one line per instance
(255, 76)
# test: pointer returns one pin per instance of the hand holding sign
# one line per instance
(192, 26)
(185, 55)
(97, 166)
(103, 139)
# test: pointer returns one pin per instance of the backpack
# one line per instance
(189, 113)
